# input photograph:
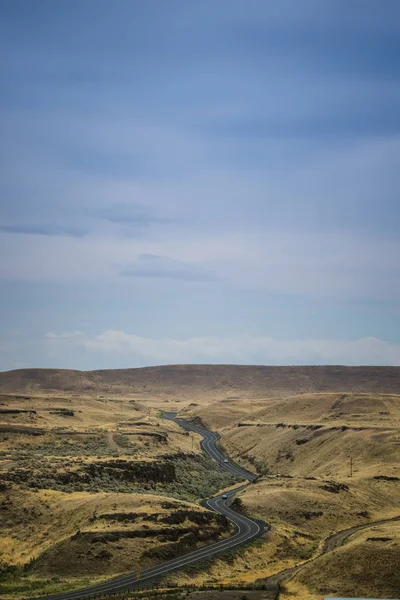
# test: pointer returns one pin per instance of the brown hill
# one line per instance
(203, 380)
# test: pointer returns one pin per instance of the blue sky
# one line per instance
(199, 181)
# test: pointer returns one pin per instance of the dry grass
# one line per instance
(296, 591)
(309, 440)
(143, 426)
(302, 516)
(40, 525)
(303, 423)
(324, 452)
(80, 537)
(232, 595)
(89, 412)
(201, 381)
(311, 434)
(367, 565)
(35, 521)
(307, 507)
(328, 409)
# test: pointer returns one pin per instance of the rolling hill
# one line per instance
(323, 440)
(203, 380)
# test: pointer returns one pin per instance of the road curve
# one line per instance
(209, 445)
(331, 543)
(246, 530)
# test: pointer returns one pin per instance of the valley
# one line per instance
(95, 483)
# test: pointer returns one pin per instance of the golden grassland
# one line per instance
(366, 565)
(302, 516)
(311, 434)
(35, 521)
(328, 409)
(179, 383)
(327, 461)
(306, 452)
(101, 413)
(90, 415)
(73, 539)
(325, 442)
(55, 533)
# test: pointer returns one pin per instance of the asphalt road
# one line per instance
(209, 445)
(246, 530)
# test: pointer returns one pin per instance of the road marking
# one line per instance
(125, 581)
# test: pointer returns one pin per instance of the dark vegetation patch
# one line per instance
(310, 514)
(386, 478)
(175, 518)
(182, 476)
(199, 518)
(285, 454)
(82, 445)
(334, 488)
(132, 471)
(166, 534)
(136, 424)
(161, 437)
(238, 506)
(298, 426)
(21, 429)
(62, 412)
(186, 543)
(167, 505)
(260, 466)
(15, 411)
(379, 539)
(123, 441)
(119, 517)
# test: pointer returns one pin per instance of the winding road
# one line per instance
(246, 529)
(209, 446)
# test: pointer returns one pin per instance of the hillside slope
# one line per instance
(203, 380)
(327, 461)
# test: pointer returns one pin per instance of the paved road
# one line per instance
(246, 530)
(209, 445)
(331, 543)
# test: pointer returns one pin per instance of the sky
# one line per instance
(199, 181)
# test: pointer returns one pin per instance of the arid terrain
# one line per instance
(208, 382)
(95, 483)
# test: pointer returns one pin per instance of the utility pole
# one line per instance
(351, 465)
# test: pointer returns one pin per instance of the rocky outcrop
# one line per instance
(124, 470)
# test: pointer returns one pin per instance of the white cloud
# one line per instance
(66, 335)
(244, 349)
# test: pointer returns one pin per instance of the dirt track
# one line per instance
(331, 543)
